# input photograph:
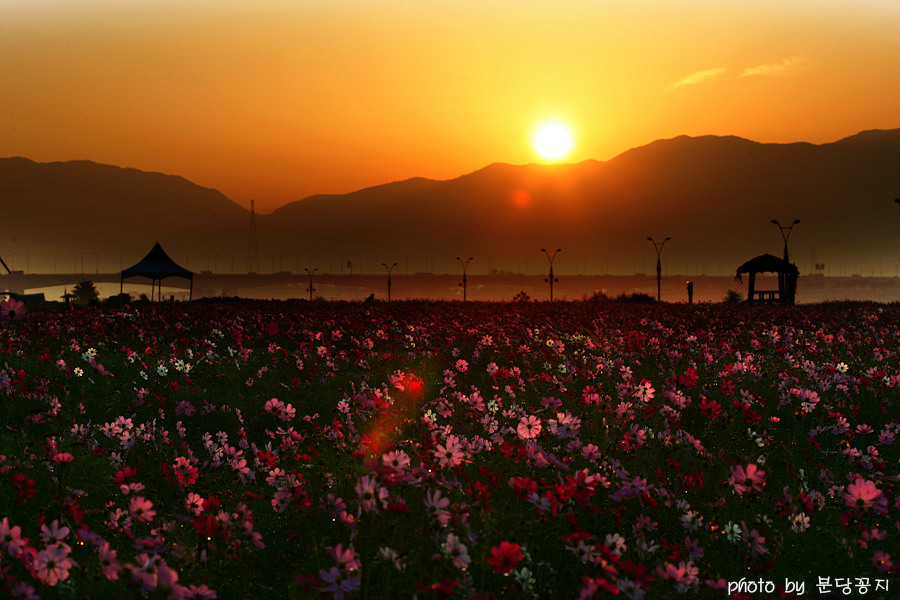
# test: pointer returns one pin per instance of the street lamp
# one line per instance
(465, 265)
(311, 288)
(785, 236)
(658, 246)
(550, 278)
(389, 269)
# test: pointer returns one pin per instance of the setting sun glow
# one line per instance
(553, 141)
(306, 92)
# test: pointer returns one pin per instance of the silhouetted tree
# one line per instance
(85, 292)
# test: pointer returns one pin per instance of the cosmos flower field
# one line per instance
(225, 449)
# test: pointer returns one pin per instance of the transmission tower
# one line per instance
(252, 245)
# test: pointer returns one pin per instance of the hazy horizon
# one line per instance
(282, 100)
(263, 210)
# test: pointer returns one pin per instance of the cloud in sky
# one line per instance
(698, 77)
(776, 69)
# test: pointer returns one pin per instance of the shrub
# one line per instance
(732, 297)
(636, 298)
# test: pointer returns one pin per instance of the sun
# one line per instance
(553, 141)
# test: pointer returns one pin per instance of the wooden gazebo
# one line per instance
(788, 274)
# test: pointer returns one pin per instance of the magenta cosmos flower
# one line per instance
(12, 310)
(862, 493)
(747, 478)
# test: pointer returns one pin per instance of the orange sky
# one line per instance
(277, 100)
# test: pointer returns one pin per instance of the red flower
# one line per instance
(710, 409)
(206, 525)
(25, 487)
(441, 589)
(523, 487)
(309, 583)
(505, 557)
(124, 475)
(689, 379)
(266, 458)
(185, 472)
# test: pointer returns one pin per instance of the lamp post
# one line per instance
(311, 288)
(785, 236)
(658, 246)
(465, 265)
(550, 278)
(389, 269)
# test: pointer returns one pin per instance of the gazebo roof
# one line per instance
(766, 263)
(157, 265)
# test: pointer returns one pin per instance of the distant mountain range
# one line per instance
(714, 196)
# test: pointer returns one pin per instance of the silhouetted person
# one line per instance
(690, 288)
(370, 299)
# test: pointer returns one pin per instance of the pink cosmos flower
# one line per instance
(108, 563)
(755, 539)
(198, 591)
(12, 310)
(11, 539)
(62, 458)
(194, 503)
(52, 564)
(747, 478)
(437, 506)
(346, 558)
(457, 552)
(683, 576)
(564, 426)
(397, 460)
(450, 453)
(590, 396)
(529, 427)
(274, 406)
(882, 561)
(166, 578)
(862, 493)
(141, 509)
(53, 534)
(146, 570)
(371, 495)
(20, 589)
(590, 452)
(645, 391)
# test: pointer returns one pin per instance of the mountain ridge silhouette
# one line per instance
(714, 195)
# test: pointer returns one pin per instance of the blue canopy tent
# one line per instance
(156, 266)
